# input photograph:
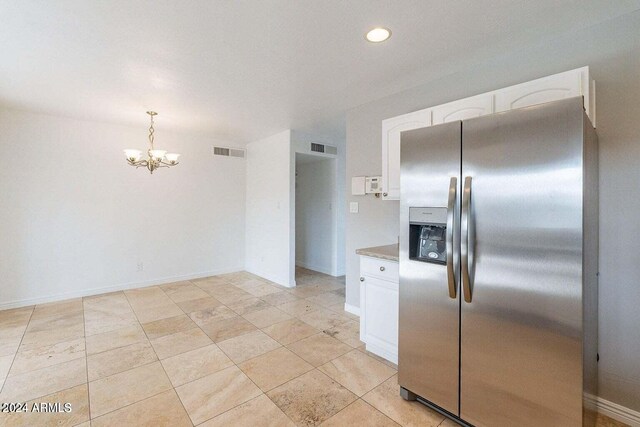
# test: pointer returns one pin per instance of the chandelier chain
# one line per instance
(151, 130)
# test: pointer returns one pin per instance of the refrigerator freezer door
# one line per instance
(521, 342)
(429, 304)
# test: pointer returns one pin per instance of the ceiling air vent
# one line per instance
(228, 152)
(321, 148)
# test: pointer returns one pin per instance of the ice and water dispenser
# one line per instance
(428, 235)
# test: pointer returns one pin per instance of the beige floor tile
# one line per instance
(311, 398)
(9, 346)
(99, 322)
(305, 291)
(5, 364)
(263, 290)
(386, 398)
(77, 397)
(390, 364)
(323, 319)
(48, 331)
(184, 291)
(143, 298)
(604, 421)
(327, 299)
(247, 346)
(266, 317)
(114, 392)
(347, 332)
(162, 410)
(299, 307)
(115, 303)
(11, 331)
(14, 316)
(258, 412)
(212, 314)
(448, 423)
(53, 309)
(167, 326)
(290, 331)
(221, 330)
(228, 294)
(195, 364)
(274, 368)
(319, 349)
(42, 382)
(339, 308)
(214, 394)
(151, 314)
(115, 339)
(248, 305)
(362, 414)
(180, 342)
(357, 372)
(247, 284)
(198, 304)
(120, 359)
(278, 298)
(41, 357)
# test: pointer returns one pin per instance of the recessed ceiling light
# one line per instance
(378, 34)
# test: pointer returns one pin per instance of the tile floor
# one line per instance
(227, 350)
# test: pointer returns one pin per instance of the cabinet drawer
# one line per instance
(381, 268)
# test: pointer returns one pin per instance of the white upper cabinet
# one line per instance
(552, 88)
(391, 129)
(463, 109)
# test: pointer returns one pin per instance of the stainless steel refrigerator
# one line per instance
(498, 267)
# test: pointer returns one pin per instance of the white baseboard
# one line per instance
(613, 410)
(352, 309)
(318, 268)
(278, 280)
(105, 289)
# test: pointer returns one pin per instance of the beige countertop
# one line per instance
(389, 252)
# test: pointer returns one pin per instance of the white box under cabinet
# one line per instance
(379, 306)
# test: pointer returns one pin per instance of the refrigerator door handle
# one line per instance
(465, 244)
(451, 207)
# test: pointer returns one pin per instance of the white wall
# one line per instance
(269, 210)
(612, 50)
(316, 214)
(75, 219)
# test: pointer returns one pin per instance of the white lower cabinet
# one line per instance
(379, 306)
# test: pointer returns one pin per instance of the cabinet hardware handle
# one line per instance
(381, 268)
(384, 194)
(362, 279)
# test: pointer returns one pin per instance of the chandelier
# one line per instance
(156, 158)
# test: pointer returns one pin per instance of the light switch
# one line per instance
(353, 207)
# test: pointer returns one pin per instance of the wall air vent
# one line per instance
(321, 148)
(228, 152)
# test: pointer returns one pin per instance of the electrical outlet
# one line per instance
(140, 266)
(353, 207)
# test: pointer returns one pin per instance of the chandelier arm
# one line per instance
(169, 164)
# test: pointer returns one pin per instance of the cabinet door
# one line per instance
(391, 129)
(380, 303)
(547, 89)
(463, 109)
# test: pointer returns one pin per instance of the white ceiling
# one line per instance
(242, 70)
